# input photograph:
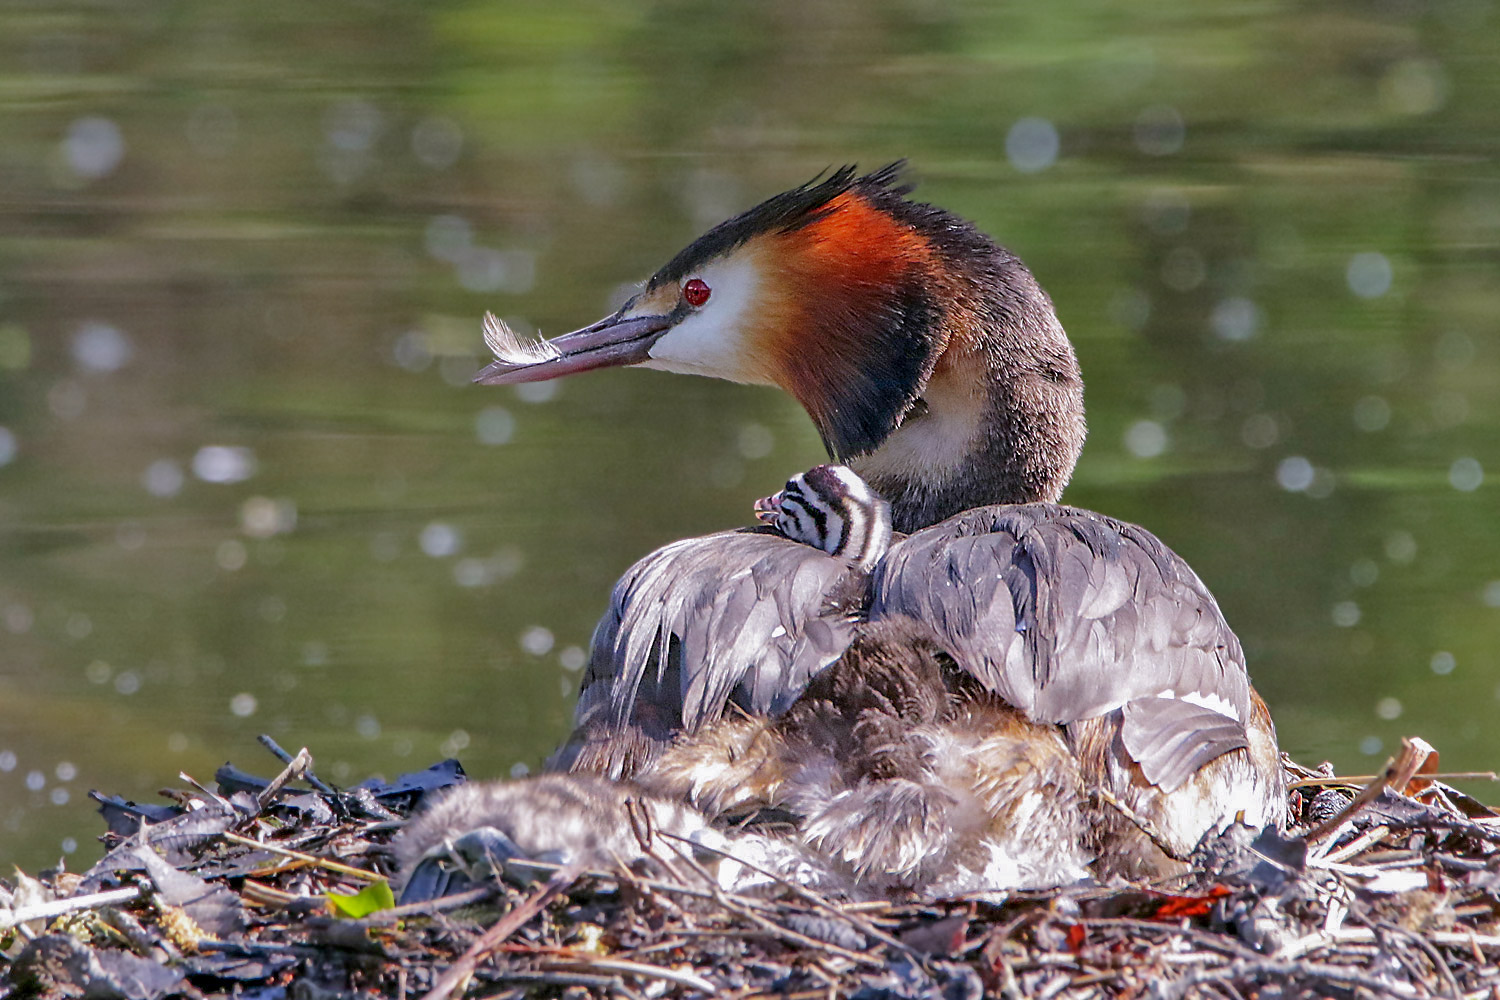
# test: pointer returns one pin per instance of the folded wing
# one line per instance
(1069, 615)
(743, 618)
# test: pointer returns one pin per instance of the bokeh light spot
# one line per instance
(1032, 145)
(1369, 274)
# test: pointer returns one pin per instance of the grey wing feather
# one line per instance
(1069, 615)
(1171, 738)
(739, 616)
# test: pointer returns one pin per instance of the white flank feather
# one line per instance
(511, 349)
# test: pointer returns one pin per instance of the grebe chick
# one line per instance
(830, 508)
(560, 819)
(477, 830)
(932, 364)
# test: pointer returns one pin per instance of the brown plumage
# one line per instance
(928, 356)
(899, 771)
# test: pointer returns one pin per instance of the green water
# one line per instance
(246, 487)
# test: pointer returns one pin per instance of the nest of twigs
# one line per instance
(1386, 887)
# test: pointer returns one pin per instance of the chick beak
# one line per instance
(613, 341)
(766, 509)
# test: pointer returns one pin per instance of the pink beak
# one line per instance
(766, 509)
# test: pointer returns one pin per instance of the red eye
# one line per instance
(696, 291)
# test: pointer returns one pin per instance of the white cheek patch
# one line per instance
(711, 340)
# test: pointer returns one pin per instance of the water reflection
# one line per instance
(246, 486)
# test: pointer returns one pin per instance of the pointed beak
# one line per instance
(613, 341)
(766, 509)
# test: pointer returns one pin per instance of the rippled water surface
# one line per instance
(245, 485)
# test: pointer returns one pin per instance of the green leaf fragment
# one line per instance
(372, 898)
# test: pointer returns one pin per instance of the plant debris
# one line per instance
(1385, 886)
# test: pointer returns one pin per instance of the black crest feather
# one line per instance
(782, 213)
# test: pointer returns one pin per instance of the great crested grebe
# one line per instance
(933, 364)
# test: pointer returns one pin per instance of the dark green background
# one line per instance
(217, 228)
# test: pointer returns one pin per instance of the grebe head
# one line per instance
(830, 508)
(927, 356)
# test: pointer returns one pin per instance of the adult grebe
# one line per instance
(932, 363)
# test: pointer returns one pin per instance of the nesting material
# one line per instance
(1385, 887)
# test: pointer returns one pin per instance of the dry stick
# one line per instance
(1203, 939)
(1474, 950)
(864, 926)
(1397, 772)
(644, 830)
(217, 799)
(260, 948)
(649, 883)
(1433, 956)
(430, 906)
(503, 928)
(776, 930)
(1369, 838)
(1003, 933)
(297, 767)
(1054, 986)
(286, 758)
(57, 907)
(612, 983)
(744, 906)
(789, 936)
(1323, 781)
(1363, 935)
(1280, 972)
(639, 969)
(1392, 951)
(670, 944)
(830, 979)
(312, 859)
